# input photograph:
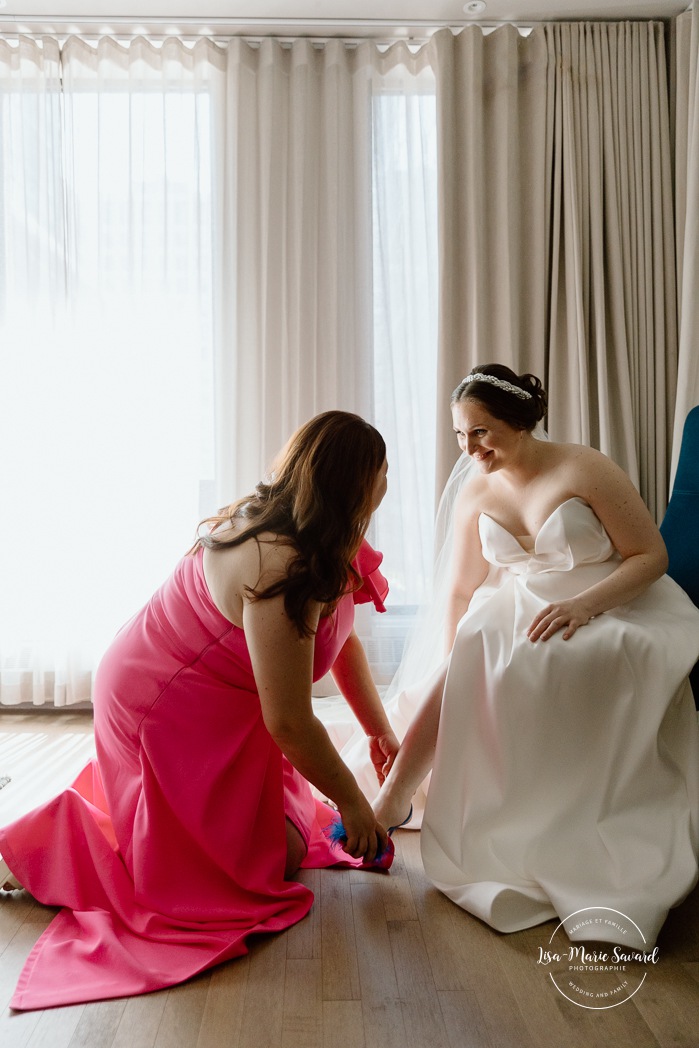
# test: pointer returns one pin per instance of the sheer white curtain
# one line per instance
(105, 344)
(203, 247)
(405, 319)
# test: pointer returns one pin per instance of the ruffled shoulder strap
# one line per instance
(374, 585)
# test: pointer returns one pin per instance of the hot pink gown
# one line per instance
(168, 850)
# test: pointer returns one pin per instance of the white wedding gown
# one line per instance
(567, 772)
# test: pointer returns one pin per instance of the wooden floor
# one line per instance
(382, 961)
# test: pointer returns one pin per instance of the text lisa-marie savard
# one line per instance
(599, 959)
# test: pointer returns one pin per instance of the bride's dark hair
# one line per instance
(520, 412)
(318, 497)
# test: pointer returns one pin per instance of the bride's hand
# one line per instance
(383, 750)
(566, 615)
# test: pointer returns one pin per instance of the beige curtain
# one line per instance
(687, 218)
(555, 153)
(297, 246)
(494, 191)
(297, 313)
(613, 350)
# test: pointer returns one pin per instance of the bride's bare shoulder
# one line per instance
(591, 474)
(470, 499)
(581, 457)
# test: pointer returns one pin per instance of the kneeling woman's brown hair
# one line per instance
(319, 498)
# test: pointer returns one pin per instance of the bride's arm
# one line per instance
(469, 568)
(634, 534)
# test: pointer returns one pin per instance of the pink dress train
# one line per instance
(168, 850)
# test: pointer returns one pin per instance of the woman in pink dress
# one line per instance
(181, 838)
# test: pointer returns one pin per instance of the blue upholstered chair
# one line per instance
(680, 527)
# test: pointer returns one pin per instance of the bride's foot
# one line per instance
(392, 811)
(8, 882)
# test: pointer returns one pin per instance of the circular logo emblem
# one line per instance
(591, 971)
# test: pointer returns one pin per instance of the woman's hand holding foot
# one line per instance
(366, 836)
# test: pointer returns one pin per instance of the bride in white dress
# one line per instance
(560, 731)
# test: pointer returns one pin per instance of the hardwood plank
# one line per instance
(422, 1015)
(477, 949)
(14, 957)
(463, 954)
(545, 1012)
(397, 895)
(622, 1026)
(140, 1020)
(450, 962)
(56, 1027)
(463, 1020)
(381, 1006)
(303, 938)
(223, 1015)
(15, 910)
(338, 944)
(669, 1003)
(17, 1028)
(692, 969)
(302, 1023)
(263, 1007)
(182, 1015)
(551, 1019)
(343, 1026)
(377, 974)
(98, 1025)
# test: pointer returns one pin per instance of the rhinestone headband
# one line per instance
(501, 384)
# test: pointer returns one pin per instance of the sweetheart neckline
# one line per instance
(573, 498)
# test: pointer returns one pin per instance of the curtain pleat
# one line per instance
(494, 177)
(556, 227)
(297, 335)
(687, 219)
(329, 281)
(613, 348)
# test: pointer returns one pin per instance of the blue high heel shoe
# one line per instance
(405, 822)
(336, 834)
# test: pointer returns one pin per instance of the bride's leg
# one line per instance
(415, 756)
